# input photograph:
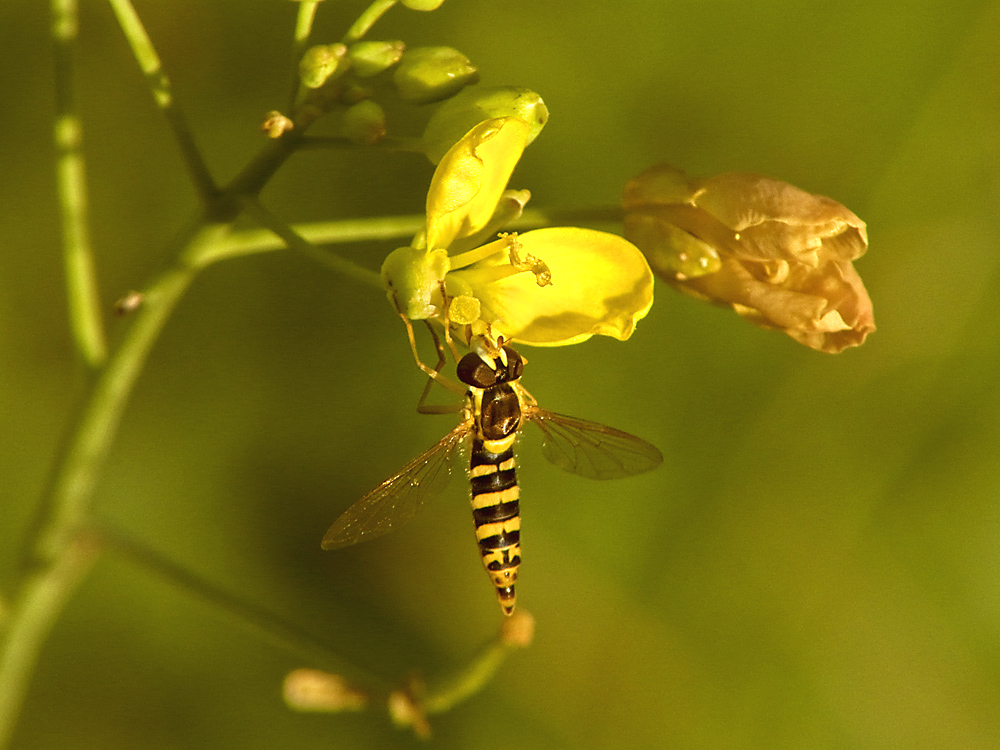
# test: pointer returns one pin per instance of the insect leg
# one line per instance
(422, 406)
(431, 373)
(447, 328)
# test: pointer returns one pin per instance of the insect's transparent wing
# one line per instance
(592, 450)
(397, 500)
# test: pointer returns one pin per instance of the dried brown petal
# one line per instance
(785, 254)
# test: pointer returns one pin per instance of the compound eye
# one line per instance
(515, 365)
(472, 370)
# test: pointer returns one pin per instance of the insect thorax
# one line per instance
(496, 404)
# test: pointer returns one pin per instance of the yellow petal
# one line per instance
(601, 284)
(470, 179)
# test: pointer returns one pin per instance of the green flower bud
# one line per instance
(669, 249)
(428, 74)
(319, 63)
(460, 114)
(371, 58)
(423, 4)
(364, 123)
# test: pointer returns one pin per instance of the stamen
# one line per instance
(543, 276)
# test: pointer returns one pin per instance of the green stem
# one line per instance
(297, 242)
(86, 321)
(66, 506)
(303, 28)
(383, 228)
(533, 218)
(255, 175)
(449, 692)
(266, 624)
(59, 555)
(392, 143)
(159, 84)
(41, 598)
(255, 241)
(367, 19)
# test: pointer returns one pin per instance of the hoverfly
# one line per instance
(495, 408)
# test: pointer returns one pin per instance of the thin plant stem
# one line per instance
(303, 25)
(303, 28)
(300, 244)
(255, 241)
(56, 559)
(447, 692)
(40, 600)
(533, 218)
(270, 626)
(66, 507)
(255, 175)
(391, 143)
(367, 19)
(60, 548)
(149, 62)
(86, 323)
(383, 228)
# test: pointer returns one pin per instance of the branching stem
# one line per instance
(61, 547)
(159, 84)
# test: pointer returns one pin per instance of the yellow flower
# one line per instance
(781, 257)
(548, 287)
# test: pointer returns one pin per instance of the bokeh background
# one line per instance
(817, 563)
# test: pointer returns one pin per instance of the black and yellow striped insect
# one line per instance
(496, 407)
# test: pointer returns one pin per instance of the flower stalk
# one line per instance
(159, 84)
(71, 185)
(60, 547)
(411, 702)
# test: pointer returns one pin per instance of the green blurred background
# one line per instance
(817, 563)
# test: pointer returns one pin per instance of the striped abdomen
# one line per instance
(496, 513)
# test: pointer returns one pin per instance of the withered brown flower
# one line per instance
(781, 257)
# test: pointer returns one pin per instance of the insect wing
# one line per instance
(397, 500)
(592, 450)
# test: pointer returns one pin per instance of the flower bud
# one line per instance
(457, 116)
(319, 63)
(364, 123)
(313, 690)
(276, 124)
(127, 305)
(371, 58)
(428, 74)
(779, 256)
(405, 708)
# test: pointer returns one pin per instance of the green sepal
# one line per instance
(413, 278)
